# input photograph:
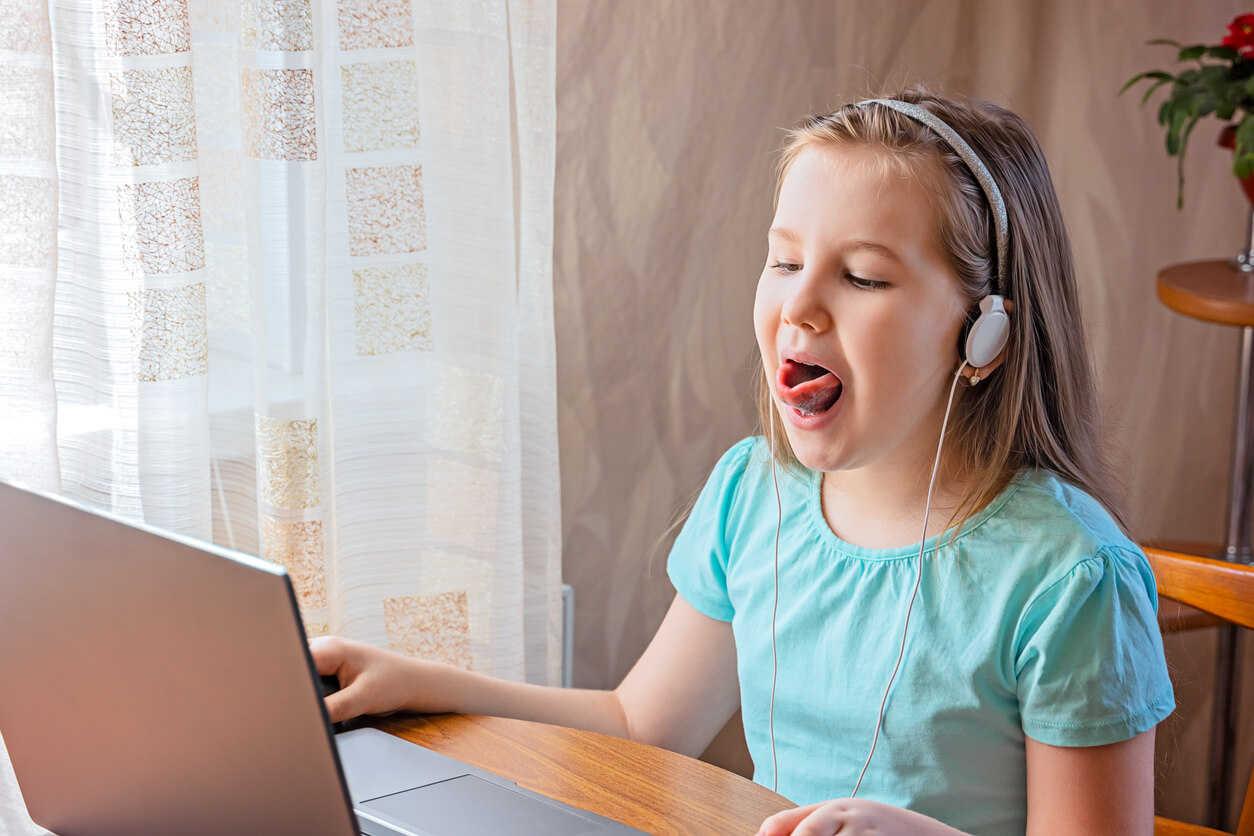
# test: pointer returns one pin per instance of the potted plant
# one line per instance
(1221, 83)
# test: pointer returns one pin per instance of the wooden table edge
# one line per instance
(655, 790)
(1213, 309)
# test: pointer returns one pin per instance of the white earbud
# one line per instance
(989, 332)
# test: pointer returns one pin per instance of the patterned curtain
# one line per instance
(277, 273)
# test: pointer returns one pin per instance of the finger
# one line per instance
(327, 653)
(342, 705)
(825, 821)
(783, 823)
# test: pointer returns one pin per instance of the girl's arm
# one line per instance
(680, 693)
(1092, 789)
(1089, 789)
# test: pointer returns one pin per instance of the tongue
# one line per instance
(808, 388)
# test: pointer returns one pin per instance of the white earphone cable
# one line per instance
(779, 522)
(927, 510)
(879, 721)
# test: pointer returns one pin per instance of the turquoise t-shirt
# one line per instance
(1038, 620)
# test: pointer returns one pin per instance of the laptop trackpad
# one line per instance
(468, 805)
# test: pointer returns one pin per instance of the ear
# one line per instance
(988, 368)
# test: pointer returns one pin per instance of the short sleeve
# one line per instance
(698, 561)
(1089, 661)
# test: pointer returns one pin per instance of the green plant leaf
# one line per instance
(1215, 77)
(1189, 78)
(1178, 119)
(1184, 144)
(1130, 82)
(1151, 90)
(1220, 82)
(1165, 111)
(1194, 98)
(1180, 183)
(1245, 137)
(1223, 53)
(1243, 153)
(1235, 95)
(1155, 74)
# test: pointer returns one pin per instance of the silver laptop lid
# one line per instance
(154, 684)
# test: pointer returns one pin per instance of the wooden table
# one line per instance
(1208, 290)
(654, 790)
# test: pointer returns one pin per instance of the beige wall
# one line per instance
(669, 112)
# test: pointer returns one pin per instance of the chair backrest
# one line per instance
(1222, 589)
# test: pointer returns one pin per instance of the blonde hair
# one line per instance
(1039, 410)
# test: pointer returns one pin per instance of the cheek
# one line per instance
(901, 349)
(765, 320)
(944, 339)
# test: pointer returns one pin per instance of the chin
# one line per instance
(812, 453)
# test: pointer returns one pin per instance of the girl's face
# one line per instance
(857, 314)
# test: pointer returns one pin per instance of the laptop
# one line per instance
(154, 684)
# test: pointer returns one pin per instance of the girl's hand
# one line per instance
(852, 817)
(372, 680)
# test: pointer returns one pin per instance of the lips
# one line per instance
(809, 388)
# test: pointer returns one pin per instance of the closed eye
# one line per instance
(865, 284)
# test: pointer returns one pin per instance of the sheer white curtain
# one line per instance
(277, 273)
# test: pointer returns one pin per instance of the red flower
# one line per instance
(1241, 35)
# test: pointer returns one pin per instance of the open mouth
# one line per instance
(811, 390)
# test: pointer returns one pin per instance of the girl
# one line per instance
(1000, 674)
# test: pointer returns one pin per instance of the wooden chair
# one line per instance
(1222, 589)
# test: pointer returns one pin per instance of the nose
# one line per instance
(804, 306)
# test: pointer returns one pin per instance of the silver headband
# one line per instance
(992, 194)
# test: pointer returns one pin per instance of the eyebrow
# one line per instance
(877, 248)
